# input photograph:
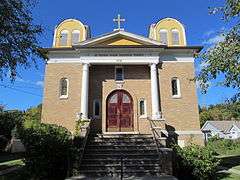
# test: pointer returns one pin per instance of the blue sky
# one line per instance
(201, 29)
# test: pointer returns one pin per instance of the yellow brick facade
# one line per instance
(181, 114)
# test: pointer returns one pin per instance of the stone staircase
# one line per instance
(121, 156)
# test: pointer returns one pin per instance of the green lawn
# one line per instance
(4, 156)
(230, 162)
(8, 160)
(237, 167)
(12, 163)
(226, 176)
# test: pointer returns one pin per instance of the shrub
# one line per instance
(224, 146)
(3, 143)
(48, 149)
(8, 120)
(195, 162)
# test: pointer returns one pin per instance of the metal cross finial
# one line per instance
(119, 20)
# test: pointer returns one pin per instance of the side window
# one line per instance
(175, 37)
(64, 38)
(75, 36)
(64, 88)
(164, 36)
(175, 87)
(142, 107)
(119, 74)
(96, 108)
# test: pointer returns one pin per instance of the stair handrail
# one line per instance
(85, 140)
(154, 137)
(154, 134)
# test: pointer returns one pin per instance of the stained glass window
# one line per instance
(126, 98)
(119, 74)
(142, 107)
(64, 87)
(96, 108)
(114, 99)
(175, 87)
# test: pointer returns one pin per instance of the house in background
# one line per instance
(222, 129)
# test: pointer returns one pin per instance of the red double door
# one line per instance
(119, 112)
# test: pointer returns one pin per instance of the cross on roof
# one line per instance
(119, 20)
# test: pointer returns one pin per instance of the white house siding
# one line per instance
(234, 132)
(213, 131)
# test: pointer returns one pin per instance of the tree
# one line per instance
(220, 112)
(33, 113)
(18, 36)
(223, 59)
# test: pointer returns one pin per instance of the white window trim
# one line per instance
(178, 89)
(145, 108)
(116, 74)
(172, 31)
(75, 32)
(164, 31)
(60, 40)
(60, 88)
(94, 101)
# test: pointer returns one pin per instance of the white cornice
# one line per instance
(142, 39)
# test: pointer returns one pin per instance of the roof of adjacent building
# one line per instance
(223, 126)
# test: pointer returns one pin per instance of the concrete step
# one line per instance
(117, 173)
(129, 156)
(122, 138)
(119, 146)
(117, 160)
(122, 142)
(120, 151)
(133, 136)
(119, 167)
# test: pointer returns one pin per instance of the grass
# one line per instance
(237, 168)
(228, 176)
(5, 156)
(230, 162)
(12, 163)
(9, 160)
(229, 153)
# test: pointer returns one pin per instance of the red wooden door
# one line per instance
(119, 112)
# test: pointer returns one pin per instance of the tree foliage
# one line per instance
(220, 112)
(18, 36)
(48, 149)
(195, 162)
(223, 59)
(33, 113)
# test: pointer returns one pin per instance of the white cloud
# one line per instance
(209, 33)
(214, 40)
(39, 83)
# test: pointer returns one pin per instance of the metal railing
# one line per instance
(156, 136)
(85, 141)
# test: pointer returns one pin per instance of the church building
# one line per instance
(121, 80)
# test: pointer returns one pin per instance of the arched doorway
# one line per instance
(119, 112)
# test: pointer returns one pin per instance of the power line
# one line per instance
(27, 87)
(19, 90)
